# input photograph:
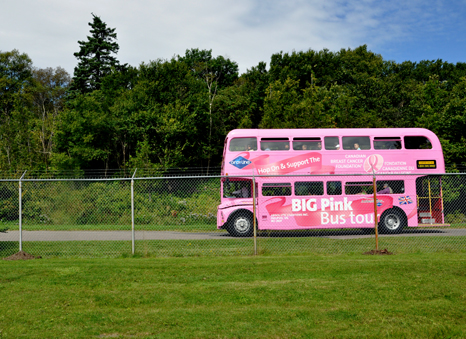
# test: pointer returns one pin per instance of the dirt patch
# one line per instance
(379, 252)
(21, 255)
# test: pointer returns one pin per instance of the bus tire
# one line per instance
(392, 221)
(241, 224)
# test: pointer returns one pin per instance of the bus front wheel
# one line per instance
(241, 225)
(392, 221)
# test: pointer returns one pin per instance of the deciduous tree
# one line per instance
(16, 86)
(49, 96)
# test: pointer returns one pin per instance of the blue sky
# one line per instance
(246, 31)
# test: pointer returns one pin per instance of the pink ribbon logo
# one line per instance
(373, 163)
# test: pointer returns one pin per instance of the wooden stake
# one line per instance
(375, 213)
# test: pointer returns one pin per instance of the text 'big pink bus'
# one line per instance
(322, 179)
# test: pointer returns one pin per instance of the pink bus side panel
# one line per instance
(286, 213)
(338, 162)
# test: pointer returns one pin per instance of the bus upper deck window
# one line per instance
(356, 143)
(417, 142)
(275, 144)
(332, 143)
(305, 144)
(387, 143)
(243, 144)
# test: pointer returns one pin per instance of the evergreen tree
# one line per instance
(96, 57)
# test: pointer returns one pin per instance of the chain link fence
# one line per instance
(177, 216)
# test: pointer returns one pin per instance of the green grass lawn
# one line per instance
(235, 246)
(321, 296)
(162, 226)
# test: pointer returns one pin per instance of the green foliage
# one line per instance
(163, 132)
(286, 106)
(49, 100)
(455, 218)
(8, 201)
(176, 113)
(143, 156)
(254, 84)
(207, 68)
(444, 112)
(15, 76)
(85, 130)
(214, 74)
(16, 86)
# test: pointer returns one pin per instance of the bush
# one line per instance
(455, 218)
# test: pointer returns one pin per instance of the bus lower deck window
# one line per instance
(360, 187)
(309, 188)
(334, 187)
(391, 186)
(276, 189)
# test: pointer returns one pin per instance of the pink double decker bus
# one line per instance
(322, 179)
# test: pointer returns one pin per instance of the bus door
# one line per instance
(274, 205)
(224, 153)
(429, 201)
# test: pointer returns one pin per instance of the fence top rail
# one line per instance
(225, 176)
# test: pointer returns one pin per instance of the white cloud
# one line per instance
(247, 31)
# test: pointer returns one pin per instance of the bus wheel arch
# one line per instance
(240, 223)
(392, 221)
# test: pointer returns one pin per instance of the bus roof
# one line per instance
(316, 132)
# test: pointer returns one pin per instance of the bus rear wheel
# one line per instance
(392, 221)
(241, 225)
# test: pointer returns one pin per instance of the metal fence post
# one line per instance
(132, 211)
(21, 213)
